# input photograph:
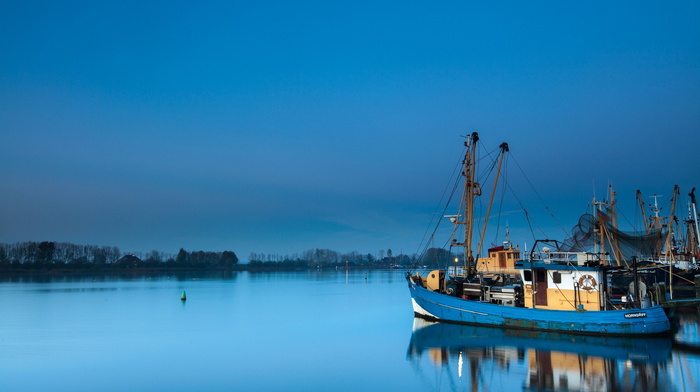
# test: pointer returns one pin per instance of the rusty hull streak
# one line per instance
(543, 325)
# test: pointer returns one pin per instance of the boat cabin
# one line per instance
(500, 260)
(562, 286)
(554, 281)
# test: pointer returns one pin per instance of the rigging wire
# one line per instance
(454, 180)
(485, 176)
(452, 187)
(539, 197)
(502, 198)
(528, 217)
(625, 217)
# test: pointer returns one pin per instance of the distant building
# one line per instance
(128, 261)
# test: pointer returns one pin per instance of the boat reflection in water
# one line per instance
(484, 358)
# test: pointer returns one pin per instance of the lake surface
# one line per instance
(298, 331)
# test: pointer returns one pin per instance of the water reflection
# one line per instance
(43, 277)
(329, 275)
(687, 323)
(535, 361)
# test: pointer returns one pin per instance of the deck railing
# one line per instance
(575, 258)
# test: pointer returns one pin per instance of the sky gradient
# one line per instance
(277, 127)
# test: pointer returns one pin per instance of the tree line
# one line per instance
(325, 258)
(64, 255)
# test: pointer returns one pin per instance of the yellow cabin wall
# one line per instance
(499, 262)
(564, 299)
(527, 294)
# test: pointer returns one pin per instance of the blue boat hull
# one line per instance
(433, 305)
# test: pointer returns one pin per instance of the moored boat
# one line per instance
(537, 311)
(548, 291)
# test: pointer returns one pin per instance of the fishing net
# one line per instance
(622, 245)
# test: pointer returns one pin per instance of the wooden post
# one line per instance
(635, 279)
(659, 292)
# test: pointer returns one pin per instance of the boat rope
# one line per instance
(538, 195)
(560, 290)
(618, 212)
(447, 195)
(528, 217)
(679, 276)
(502, 198)
(529, 221)
(497, 168)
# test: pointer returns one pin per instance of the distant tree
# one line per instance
(181, 258)
(45, 252)
(113, 254)
(4, 260)
(228, 259)
(99, 255)
(153, 259)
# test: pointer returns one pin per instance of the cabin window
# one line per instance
(556, 277)
(527, 275)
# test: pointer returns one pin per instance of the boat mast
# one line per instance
(613, 218)
(669, 241)
(600, 223)
(471, 189)
(640, 200)
(655, 221)
(694, 230)
(669, 236)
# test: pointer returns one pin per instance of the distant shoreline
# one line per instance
(146, 270)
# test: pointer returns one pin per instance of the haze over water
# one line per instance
(295, 331)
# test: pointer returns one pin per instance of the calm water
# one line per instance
(302, 331)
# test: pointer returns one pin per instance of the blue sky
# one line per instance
(277, 127)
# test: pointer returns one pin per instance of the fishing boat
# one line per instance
(675, 260)
(548, 290)
(663, 252)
